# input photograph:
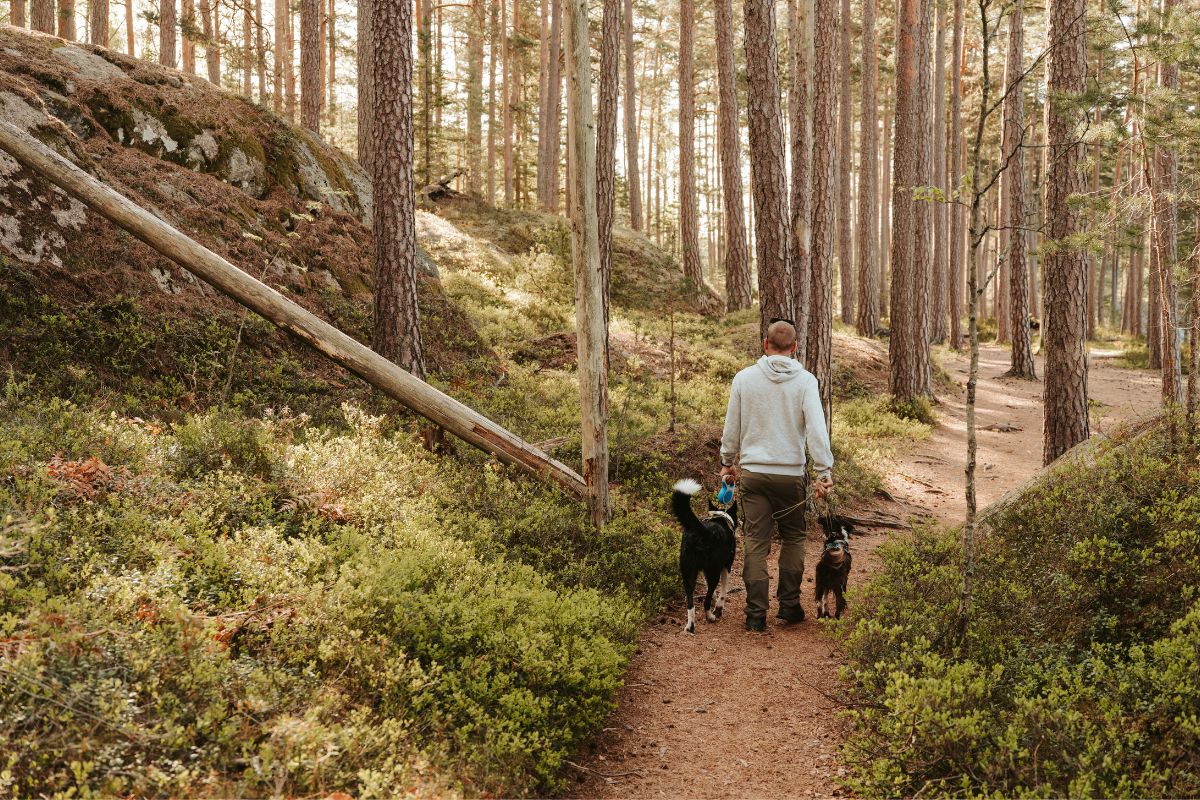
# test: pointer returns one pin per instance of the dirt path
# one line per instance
(727, 713)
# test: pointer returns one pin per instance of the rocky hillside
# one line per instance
(270, 197)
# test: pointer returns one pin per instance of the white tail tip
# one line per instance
(687, 486)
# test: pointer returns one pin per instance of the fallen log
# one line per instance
(376, 370)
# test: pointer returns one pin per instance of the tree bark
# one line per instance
(166, 32)
(1066, 265)
(767, 163)
(1193, 384)
(476, 22)
(939, 209)
(632, 172)
(846, 164)
(212, 40)
(885, 202)
(800, 45)
(41, 15)
(689, 228)
(1165, 230)
(1013, 145)
(824, 157)
(323, 337)
(364, 68)
(247, 47)
(129, 41)
(491, 135)
(310, 65)
(585, 253)
(330, 61)
(868, 241)
(66, 20)
(606, 145)
(17, 15)
(506, 104)
(956, 177)
(737, 257)
(397, 333)
(260, 52)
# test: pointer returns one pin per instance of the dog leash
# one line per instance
(809, 501)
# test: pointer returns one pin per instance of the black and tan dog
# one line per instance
(833, 570)
(708, 546)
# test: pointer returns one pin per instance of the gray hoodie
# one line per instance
(774, 411)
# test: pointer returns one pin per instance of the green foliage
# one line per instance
(917, 410)
(1079, 670)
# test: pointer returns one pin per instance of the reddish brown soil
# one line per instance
(726, 713)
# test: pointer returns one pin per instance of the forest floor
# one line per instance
(726, 713)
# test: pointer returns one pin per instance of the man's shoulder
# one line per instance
(747, 373)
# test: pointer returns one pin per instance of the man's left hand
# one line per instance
(823, 486)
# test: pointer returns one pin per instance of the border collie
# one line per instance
(708, 546)
(833, 570)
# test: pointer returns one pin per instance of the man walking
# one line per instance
(774, 412)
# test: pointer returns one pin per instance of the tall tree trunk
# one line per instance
(1193, 384)
(247, 47)
(506, 99)
(365, 110)
(212, 40)
(548, 144)
(491, 135)
(606, 144)
(17, 18)
(41, 15)
(632, 172)
(129, 39)
(1014, 192)
(908, 346)
(956, 176)
(689, 231)
(868, 232)
(800, 33)
(824, 199)
(66, 19)
(397, 334)
(97, 19)
(737, 257)
(475, 32)
(885, 201)
(310, 65)
(846, 163)
(543, 99)
(1066, 265)
(425, 59)
(941, 278)
(330, 62)
(767, 163)
(364, 69)
(166, 32)
(260, 52)
(1165, 230)
(585, 253)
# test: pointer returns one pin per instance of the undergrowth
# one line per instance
(1079, 671)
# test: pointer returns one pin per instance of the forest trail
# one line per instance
(726, 713)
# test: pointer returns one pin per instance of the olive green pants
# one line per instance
(767, 501)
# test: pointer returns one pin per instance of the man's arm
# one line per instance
(817, 433)
(731, 437)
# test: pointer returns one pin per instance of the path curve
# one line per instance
(727, 713)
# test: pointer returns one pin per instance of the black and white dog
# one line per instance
(708, 546)
(833, 570)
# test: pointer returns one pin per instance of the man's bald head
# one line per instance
(781, 338)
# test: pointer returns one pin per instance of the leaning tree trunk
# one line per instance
(1013, 148)
(846, 164)
(868, 238)
(1066, 264)
(632, 172)
(397, 333)
(737, 257)
(606, 144)
(824, 154)
(800, 29)
(310, 65)
(767, 163)
(585, 253)
(689, 227)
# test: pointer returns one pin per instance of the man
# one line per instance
(774, 412)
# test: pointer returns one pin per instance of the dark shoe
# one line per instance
(755, 625)
(790, 615)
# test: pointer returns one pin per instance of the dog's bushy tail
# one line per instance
(681, 505)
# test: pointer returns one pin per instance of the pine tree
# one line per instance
(310, 65)
(689, 230)
(737, 257)
(956, 175)
(166, 32)
(1013, 148)
(41, 15)
(868, 244)
(824, 152)
(846, 167)
(606, 141)
(632, 171)
(66, 19)
(800, 33)
(476, 22)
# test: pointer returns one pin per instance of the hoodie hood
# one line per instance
(780, 369)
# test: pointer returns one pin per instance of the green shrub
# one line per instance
(1079, 671)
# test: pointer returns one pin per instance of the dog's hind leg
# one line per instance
(689, 589)
(720, 609)
(712, 581)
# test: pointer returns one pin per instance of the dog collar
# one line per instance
(729, 519)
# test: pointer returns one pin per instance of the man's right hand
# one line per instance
(729, 474)
(823, 486)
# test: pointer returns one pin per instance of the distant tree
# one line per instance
(767, 163)
(956, 169)
(845, 220)
(282, 63)
(476, 24)
(41, 15)
(166, 32)
(737, 257)
(940, 278)
(606, 142)
(211, 24)
(1066, 263)
(310, 65)
(632, 170)
(1164, 229)
(550, 120)
(397, 334)
(17, 14)
(689, 226)
(66, 19)
(800, 45)
(1013, 149)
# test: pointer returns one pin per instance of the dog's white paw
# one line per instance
(687, 486)
(710, 616)
(690, 628)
